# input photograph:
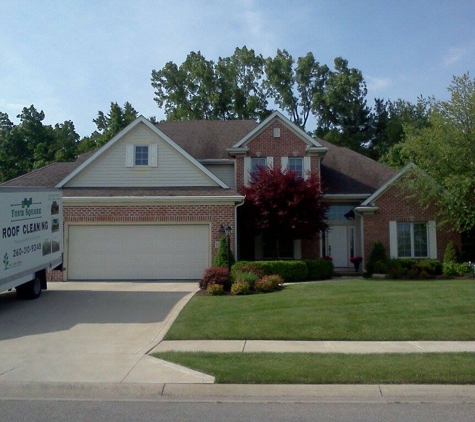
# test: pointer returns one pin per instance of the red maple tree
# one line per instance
(283, 206)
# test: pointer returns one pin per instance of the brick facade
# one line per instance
(394, 206)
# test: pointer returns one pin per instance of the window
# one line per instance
(141, 155)
(341, 212)
(412, 240)
(296, 165)
(256, 163)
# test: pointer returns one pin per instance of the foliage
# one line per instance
(215, 276)
(430, 266)
(269, 283)
(456, 269)
(31, 144)
(247, 269)
(408, 268)
(444, 153)
(240, 288)
(319, 269)
(378, 253)
(292, 270)
(201, 89)
(284, 207)
(221, 258)
(380, 267)
(452, 253)
(248, 276)
(215, 289)
(108, 125)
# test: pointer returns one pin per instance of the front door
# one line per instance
(338, 245)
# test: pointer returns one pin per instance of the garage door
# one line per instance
(141, 252)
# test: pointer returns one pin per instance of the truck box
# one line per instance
(31, 230)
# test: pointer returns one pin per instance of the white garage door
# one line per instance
(140, 252)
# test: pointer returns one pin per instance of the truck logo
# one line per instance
(5, 261)
(26, 203)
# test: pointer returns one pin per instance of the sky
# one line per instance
(72, 58)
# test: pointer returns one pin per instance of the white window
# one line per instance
(296, 165)
(141, 155)
(256, 163)
(412, 240)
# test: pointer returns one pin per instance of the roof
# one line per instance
(169, 192)
(207, 139)
(344, 171)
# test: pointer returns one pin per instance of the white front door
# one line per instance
(338, 245)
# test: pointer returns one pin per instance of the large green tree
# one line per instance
(444, 152)
(31, 144)
(108, 125)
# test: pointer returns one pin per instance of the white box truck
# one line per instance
(31, 230)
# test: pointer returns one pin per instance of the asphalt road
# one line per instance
(97, 411)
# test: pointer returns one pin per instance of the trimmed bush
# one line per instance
(319, 269)
(452, 253)
(424, 275)
(240, 288)
(380, 267)
(248, 276)
(215, 289)
(454, 269)
(268, 283)
(215, 276)
(292, 270)
(221, 258)
(247, 269)
(378, 253)
(430, 266)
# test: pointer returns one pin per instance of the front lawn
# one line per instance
(307, 368)
(336, 310)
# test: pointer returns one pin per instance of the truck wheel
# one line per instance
(30, 290)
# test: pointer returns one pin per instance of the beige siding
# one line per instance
(225, 172)
(109, 169)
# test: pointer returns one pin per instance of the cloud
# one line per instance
(378, 84)
(454, 55)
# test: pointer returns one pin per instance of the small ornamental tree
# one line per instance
(283, 206)
(221, 258)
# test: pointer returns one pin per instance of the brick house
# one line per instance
(150, 203)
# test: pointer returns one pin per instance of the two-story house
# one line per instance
(150, 203)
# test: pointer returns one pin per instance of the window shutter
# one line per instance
(284, 163)
(393, 239)
(129, 156)
(432, 232)
(153, 155)
(297, 249)
(247, 170)
(270, 162)
(306, 167)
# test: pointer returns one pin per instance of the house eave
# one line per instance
(368, 209)
(316, 151)
(237, 152)
(152, 200)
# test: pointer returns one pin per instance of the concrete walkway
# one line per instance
(357, 347)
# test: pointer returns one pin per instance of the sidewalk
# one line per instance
(357, 347)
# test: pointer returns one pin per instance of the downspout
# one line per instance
(362, 239)
(236, 228)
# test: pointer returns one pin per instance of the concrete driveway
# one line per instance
(92, 332)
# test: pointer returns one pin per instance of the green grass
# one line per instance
(307, 368)
(337, 310)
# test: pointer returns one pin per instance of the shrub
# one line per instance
(215, 289)
(319, 269)
(247, 269)
(292, 270)
(406, 263)
(215, 276)
(221, 258)
(430, 266)
(240, 288)
(248, 276)
(380, 267)
(424, 275)
(454, 269)
(396, 270)
(413, 274)
(268, 283)
(378, 253)
(452, 253)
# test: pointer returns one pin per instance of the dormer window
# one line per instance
(296, 165)
(141, 155)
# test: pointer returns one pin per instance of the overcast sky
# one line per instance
(72, 58)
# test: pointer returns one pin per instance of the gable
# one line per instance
(108, 167)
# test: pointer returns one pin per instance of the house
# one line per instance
(150, 203)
